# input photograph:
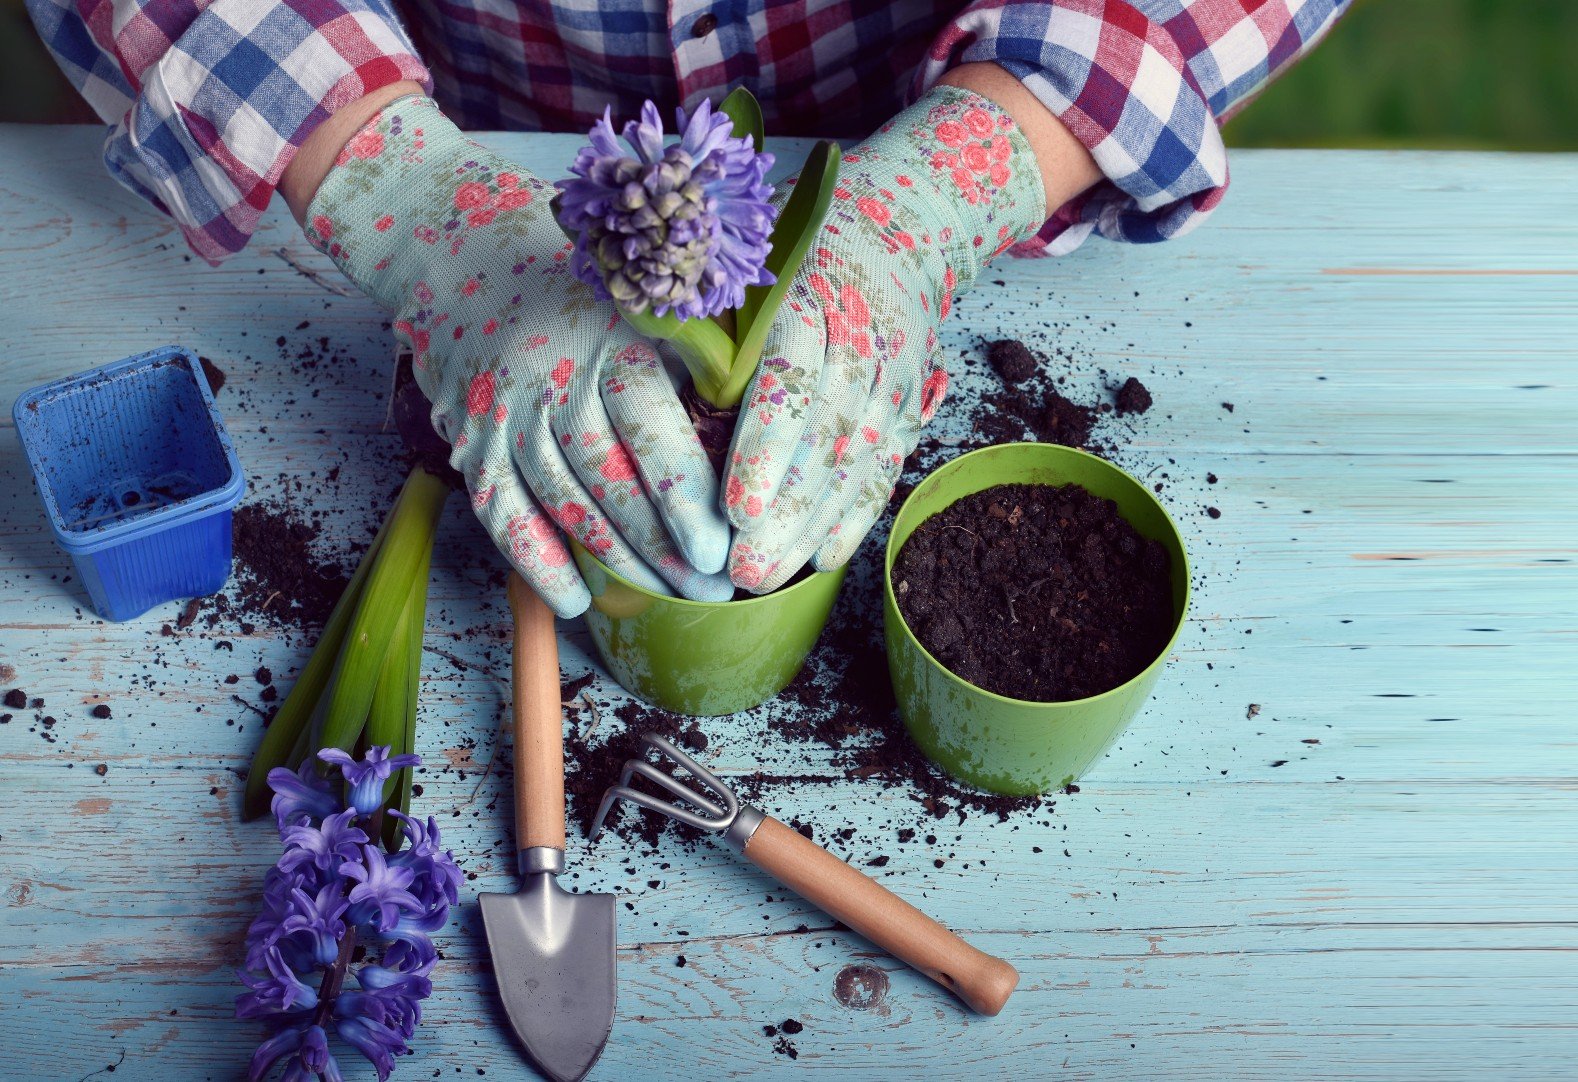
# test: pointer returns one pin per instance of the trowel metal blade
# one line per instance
(553, 960)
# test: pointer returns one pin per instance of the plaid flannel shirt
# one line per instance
(208, 102)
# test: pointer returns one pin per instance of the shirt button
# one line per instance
(704, 25)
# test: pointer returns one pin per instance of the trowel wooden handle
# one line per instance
(539, 735)
(982, 981)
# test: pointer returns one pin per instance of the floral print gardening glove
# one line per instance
(851, 368)
(557, 411)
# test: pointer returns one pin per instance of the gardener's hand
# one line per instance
(551, 402)
(851, 369)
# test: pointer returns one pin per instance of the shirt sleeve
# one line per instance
(1144, 84)
(207, 104)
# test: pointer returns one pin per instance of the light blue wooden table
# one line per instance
(1393, 574)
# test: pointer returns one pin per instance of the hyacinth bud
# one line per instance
(679, 229)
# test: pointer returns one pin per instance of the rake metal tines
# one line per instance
(735, 821)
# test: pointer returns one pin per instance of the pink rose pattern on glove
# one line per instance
(851, 370)
(560, 416)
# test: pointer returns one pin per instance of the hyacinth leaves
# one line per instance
(683, 238)
(360, 684)
(391, 715)
(797, 226)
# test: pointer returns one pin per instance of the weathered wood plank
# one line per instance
(1398, 335)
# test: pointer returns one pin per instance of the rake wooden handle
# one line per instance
(539, 733)
(978, 978)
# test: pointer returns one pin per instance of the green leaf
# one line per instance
(793, 235)
(303, 745)
(742, 107)
(391, 719)
(405, 552)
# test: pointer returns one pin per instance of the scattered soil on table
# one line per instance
(1036, 592)
(102, 712)
(1012, 360)
(1004, 416)
(591, 766)
(16, 699)
(279, 575)
(1031, 404)
(780, 1035)
(570, 690)
(213, 374)
(1133, 396)
(842, 700)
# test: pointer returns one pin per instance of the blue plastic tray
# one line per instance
(138, 477)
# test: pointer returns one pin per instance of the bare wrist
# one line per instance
(312, 162)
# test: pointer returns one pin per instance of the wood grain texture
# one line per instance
(538, 723)
(1393, 574)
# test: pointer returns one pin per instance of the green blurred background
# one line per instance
(1476, 74)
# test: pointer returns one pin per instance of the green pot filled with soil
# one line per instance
(704, 658)
(1032, 594)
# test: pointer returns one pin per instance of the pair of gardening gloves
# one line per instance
(564, 420)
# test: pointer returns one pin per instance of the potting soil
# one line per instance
(1036, 592)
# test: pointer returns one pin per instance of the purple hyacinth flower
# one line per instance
(300, 795)
(318, 921)
(279, 989)
(308, 1049)
(372, 1038)
(333, 882)
(367, 775)
(266, 930)
(324, 847)
(391, 996)
(436, 876)
(417, 927)
(681, 228)
(380, 894)
(414, 953)
(313, 1060)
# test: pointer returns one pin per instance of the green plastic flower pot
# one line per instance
(1004, 745)
(704, 658)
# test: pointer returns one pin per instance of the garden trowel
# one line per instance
(553, 951)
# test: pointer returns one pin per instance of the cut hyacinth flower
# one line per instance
(682, 237)
(359, 688)
(332, 891)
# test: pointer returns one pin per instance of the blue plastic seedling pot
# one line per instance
(138, 477)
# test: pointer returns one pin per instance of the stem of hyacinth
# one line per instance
(704, 345)
(334, 977)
